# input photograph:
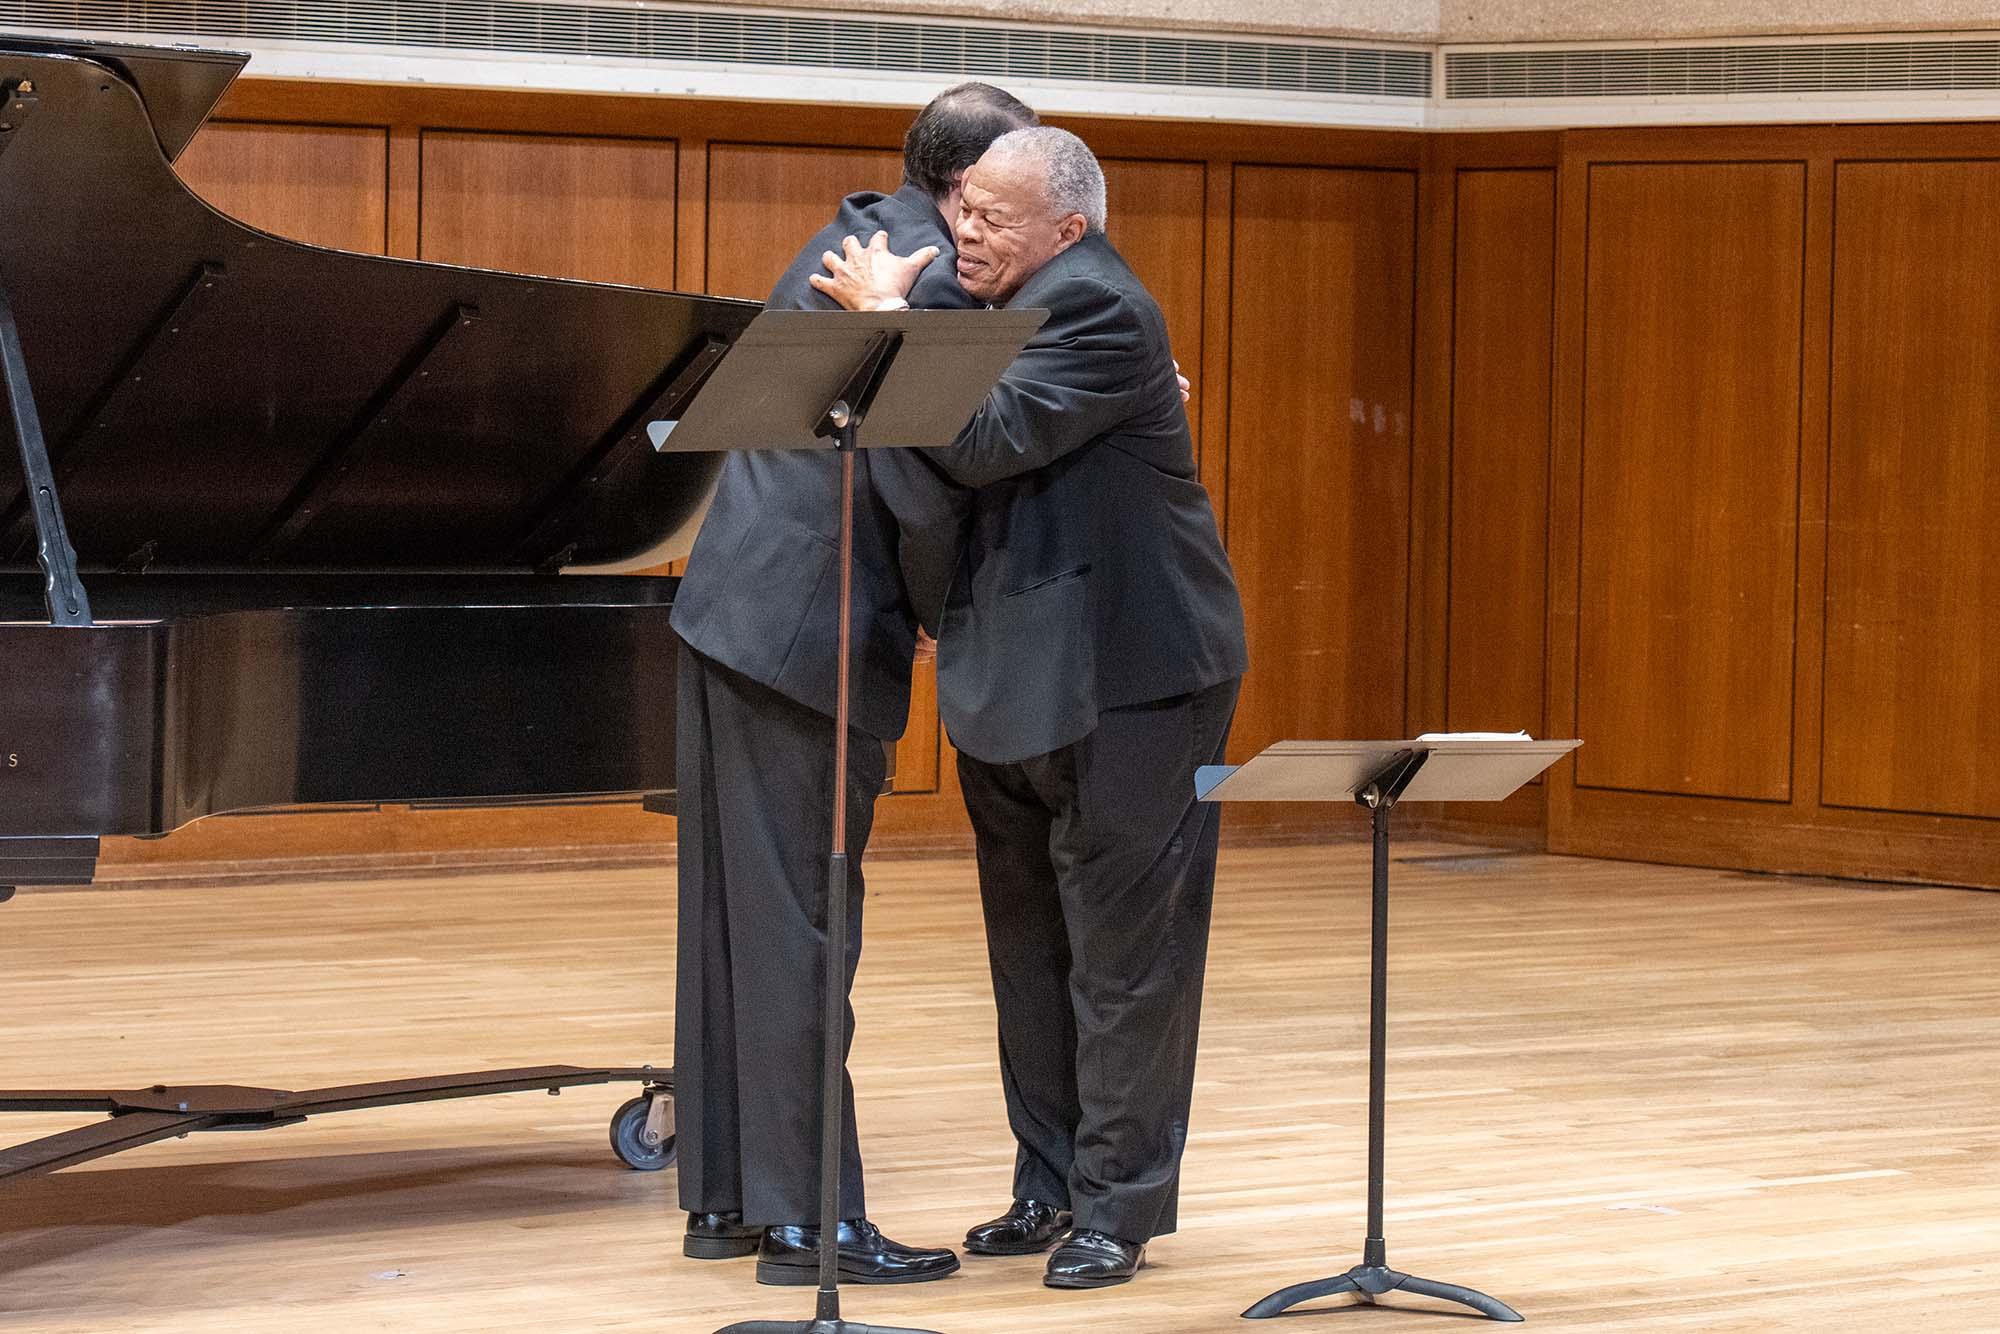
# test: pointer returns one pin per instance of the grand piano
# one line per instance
(283, 526)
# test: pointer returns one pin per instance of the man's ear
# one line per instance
(1071, 230)
(948, 205)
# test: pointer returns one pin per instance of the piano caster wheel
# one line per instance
(6, 892)
(629, 1136)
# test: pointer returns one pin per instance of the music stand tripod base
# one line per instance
(834, 1326)
(1369, 1281)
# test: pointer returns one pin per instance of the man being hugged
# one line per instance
(1088, 662)
(759, 614)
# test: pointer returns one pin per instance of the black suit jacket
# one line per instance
(1094, 575)
(762, 592)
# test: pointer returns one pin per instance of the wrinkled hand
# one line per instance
(926, 646)
(1186, 388)
(867, 278)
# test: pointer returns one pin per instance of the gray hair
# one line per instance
(1071, 177)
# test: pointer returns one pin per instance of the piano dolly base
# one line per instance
(642, 1130)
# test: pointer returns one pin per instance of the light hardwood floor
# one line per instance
(1621, 1097)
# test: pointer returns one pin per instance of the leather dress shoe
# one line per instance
(789, 1257)
(719, 1237)
(1093, 1260)
(1028, 1228)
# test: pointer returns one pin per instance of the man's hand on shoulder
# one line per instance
(871, 277)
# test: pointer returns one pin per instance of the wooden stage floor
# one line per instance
(1622, 1097)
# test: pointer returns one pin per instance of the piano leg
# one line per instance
(96, 1140)
(45, 861)
(642, 1131)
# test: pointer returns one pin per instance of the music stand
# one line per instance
(797, 379)
(1378, 775)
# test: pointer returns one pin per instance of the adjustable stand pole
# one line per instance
(1373, 1277)
(842, 422)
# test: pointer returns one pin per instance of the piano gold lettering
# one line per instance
(13, 760)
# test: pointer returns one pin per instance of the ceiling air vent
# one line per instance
(1801, 69)
(721, 37)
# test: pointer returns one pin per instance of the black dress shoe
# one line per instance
(1093, 1260)
(719, 1237)
(1028, 1228)
(789, 1257)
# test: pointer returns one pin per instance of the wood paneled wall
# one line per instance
(1775, 587)
(1318, 482)
(567, 206)
(1674, 439)
(327, 184)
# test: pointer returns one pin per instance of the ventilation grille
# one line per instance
(713, 36)
(1703, 71)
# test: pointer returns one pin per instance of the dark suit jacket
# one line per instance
(1093, 576)
(762, 592)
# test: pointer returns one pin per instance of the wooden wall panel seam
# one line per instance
(1969, 818)
(422, 194)
(1451, 274)
(805, 146)
(1826, 488)
(1815, 453)
(301, 123)
(1549, 446)
(1197, 423)
(1668, 794)
(1582, 434)
(1218, 239)
(1229, 334)
(1410, 527)
(388, 188)
(708, 216)
(1798, 475)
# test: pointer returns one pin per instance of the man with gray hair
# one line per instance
(1088, 661)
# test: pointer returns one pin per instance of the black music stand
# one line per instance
(798, 379)
(1379, 774)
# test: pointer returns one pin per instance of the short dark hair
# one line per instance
(952, 132)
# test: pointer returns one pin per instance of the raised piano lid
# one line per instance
(216, 397)
(179, 85)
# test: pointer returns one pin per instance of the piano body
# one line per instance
(284, 526)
